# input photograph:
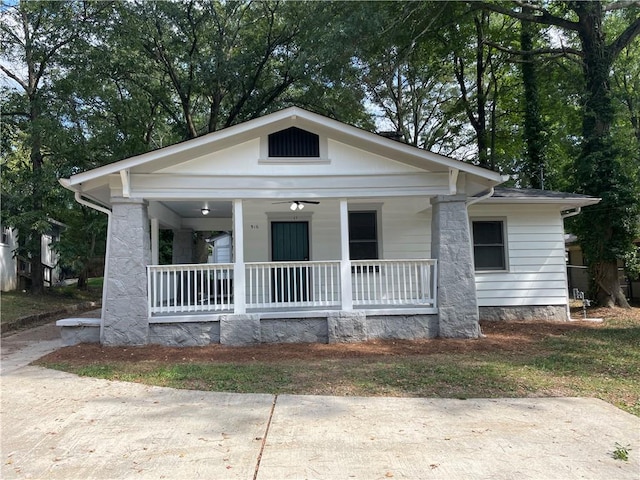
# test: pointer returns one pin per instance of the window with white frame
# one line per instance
(489, 247)
(363, 235)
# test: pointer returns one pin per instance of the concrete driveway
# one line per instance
(59, 426)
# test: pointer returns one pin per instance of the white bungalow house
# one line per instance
(338, 235)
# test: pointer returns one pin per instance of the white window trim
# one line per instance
(372, 207)
(505, 238)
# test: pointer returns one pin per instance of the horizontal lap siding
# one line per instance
(406, 229)
(536, 258)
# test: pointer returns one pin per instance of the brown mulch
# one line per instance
(497, 337)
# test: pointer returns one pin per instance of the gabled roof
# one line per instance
(299, 117)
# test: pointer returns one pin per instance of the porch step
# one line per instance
(79, 330)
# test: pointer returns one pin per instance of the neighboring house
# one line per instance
(15, 272)
(220, 248)
(338, 235)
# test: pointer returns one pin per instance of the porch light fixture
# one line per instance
(296, 206)
(205, 210)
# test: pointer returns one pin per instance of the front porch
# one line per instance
(295, 299)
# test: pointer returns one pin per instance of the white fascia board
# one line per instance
(193, 144)
(369, 139)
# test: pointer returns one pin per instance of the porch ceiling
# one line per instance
(193, 208)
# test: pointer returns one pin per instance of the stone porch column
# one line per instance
(451, 246)
(125, 316)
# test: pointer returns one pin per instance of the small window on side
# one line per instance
(489, 251)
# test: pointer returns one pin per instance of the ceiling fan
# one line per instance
(298, 204)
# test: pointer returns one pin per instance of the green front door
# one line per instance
(290, 243)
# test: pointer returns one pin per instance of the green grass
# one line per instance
(585, 361)
(18, 304)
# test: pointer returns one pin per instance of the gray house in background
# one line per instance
(338, 235)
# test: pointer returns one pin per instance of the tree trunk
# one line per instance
(35, 236)
(597, 169)
(533, 129)
(481, 129)
(83, 278)
(607, 279)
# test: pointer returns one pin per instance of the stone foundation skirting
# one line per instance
(333, 327)
(556, 313)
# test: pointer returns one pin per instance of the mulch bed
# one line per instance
(498, 337)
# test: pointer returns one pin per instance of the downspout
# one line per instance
(81, 201)
(479, 199)
(569, 214)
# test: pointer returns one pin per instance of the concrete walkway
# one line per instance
(59, 426)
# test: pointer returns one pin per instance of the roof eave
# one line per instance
(570, 201)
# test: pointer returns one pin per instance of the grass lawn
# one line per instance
(18, 304)
(520, 359)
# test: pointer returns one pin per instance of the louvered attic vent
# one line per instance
(294, 142)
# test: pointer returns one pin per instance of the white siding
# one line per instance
(406, 229)
(404, 232)
(8, 263)
(244, 159)
(535, 257)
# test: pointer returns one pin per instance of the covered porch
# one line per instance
(263, 295)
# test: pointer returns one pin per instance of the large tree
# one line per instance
(606, 231)
(34, 36)
(210, 65)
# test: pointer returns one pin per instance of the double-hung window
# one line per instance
(363, 235)
(489, 248)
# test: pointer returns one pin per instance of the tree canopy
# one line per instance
(546, 92)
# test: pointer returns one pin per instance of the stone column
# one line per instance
(182, 246)
(451, 246)
(125, 316)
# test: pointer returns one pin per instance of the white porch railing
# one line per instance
(190, 288)
(393, 282)
(273, 286)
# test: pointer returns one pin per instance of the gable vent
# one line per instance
(294, 142)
